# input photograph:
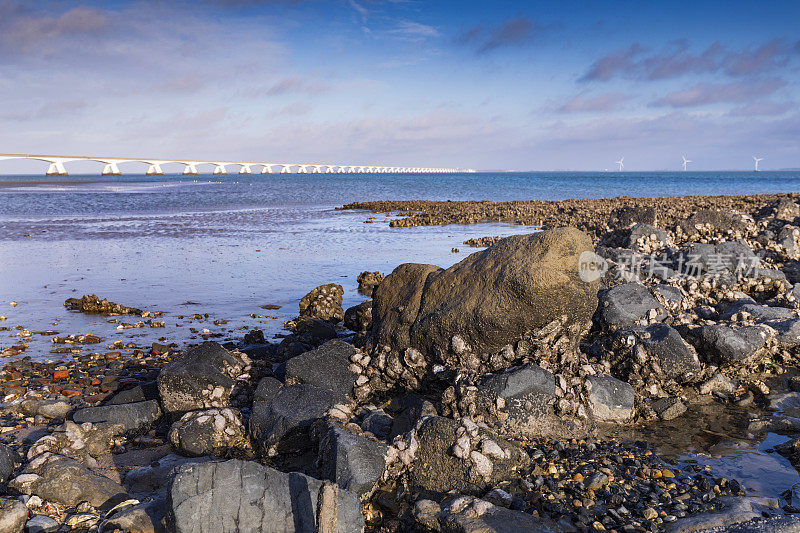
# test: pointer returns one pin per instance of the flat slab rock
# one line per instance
(610, 399)
(132, 416)
(234, 496)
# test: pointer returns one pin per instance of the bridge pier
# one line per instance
(154, 170)
(245, 169)
(191, 169)
(111, 169)
(302, 169)
(267, 169)
(317, 169)
(220, 169)
(286, 169)
(56, 169)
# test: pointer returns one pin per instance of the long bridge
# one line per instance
(191, 166)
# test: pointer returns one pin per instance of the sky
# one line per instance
(562, 85)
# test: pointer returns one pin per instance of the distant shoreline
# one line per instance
(32, 183)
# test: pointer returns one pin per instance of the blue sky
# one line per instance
(487, 85)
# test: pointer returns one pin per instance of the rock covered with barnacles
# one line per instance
(459, 455)
(94, 305)
(493, 298)
(215, 432)
(207, 376)
(324, 303)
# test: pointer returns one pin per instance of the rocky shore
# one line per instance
(494, 395)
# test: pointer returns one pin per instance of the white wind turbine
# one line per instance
(621, 166)
(685, 161)
(757, 159)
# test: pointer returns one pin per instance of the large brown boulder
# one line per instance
(490, 299)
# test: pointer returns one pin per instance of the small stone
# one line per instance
(649, 513)
(41, 524)
(483, 466)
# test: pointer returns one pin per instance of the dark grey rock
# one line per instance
(786, 209)
(351, 461)
(436, 470)
(715, 219)
(378, 423)
(308, 333)
(146, 517)
(326, 367)
(286, 420)
(669, 408)
(527, 393)
(697, 259)
(641, 230)
(41, 524)
(625, 217)
(487, 518)
(662, 342)
(201, 379)
(232, 496)
(769, 273)
(13, 515)
(134, 417)
(267, 389)
(788, 332)
(627, 303)
(138, 393)
(722, 345)
(411, 408)
(8, 458)
(760, 313)
(610, 399)
(789, 237)
(672, 295)
(359, 317)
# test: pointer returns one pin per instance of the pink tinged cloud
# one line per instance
(678, 60)
(513, 32)
(618, 61)
(710, 93)
(24, 30)
(601, 102)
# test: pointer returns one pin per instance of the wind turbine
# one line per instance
(757, 159)
(621, 166)
(685, 161)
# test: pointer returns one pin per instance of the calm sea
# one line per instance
(226, 246)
